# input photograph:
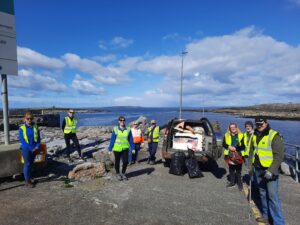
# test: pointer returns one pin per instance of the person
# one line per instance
(248, 135)
(121, 143)
(153, 138)
(267, 153)
(29, 136)
(138, 140)
(234, 152)
(69, 129)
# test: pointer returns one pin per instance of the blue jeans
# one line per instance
(269, 197)
(28, 157)
(152, 150)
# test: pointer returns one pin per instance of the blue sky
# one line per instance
(94, 53)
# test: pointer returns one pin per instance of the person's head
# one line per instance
(122, 121)
(28, 118)
(135, 124)
(261, 123)
(71, 113)
(248, 126)
(153, 123)
(233, 128)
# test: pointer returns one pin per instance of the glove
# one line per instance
(133, 152)
(268, 175)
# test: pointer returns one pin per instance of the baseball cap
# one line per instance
(153, 121)
(260, 119)
(135, 123)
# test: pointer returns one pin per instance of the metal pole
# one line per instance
(5, 108)
(297, 164)
(181, 81)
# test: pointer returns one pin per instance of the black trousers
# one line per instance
(118, 155)
(235, 169)
(73, 137)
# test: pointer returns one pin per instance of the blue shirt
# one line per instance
(30, 134)
(113, 139)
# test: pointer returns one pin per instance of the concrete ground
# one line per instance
(150, 196)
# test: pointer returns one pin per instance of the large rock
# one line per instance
(89, 170)
(285, 169)
(104, 157)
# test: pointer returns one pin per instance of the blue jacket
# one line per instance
(31, 145)
(113, 139)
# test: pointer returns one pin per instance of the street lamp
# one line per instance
(181, 81)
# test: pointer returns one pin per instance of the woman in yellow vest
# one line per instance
(234, 152)
(121, 143)
(29, 136)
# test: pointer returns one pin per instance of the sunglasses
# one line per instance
(29, 118)
(122, 120)
(71, 112)
(259, 124)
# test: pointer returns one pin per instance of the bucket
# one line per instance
(40, 154)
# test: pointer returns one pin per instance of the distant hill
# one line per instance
(280, 111)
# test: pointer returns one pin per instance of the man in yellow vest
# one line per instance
(29, 136)
(267, 153)
(153, 138)
(121, 143)
(69, 129)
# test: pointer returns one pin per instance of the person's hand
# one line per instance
(268, 175)
(231, 148)
(133, 152)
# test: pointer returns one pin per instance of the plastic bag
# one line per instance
(193, 168)
(177, 166)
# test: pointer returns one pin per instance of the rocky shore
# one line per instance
(288, 111)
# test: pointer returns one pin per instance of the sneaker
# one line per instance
(119, 176)
(229, 185)
(152, 163)
(124, 176)
(262, 219)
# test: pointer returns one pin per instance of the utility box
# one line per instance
(10, 162)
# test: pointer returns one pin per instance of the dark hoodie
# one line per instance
(277, 148)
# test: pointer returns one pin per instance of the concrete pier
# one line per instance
(10, 156)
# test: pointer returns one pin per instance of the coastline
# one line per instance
(289, 111)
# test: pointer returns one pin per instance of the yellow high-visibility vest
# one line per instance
(155, 134)
(247, 142)
(121, 142)
(35, 133)
(263, 149)
(70, 125)
(228, 141)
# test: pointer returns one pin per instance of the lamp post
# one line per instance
(181, 81)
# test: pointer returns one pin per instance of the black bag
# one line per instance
(193, 168)
(177, 166)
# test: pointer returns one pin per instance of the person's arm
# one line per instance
(38, 144)
(24, 144)
(63, 124)
(112, 141)
(278, 154)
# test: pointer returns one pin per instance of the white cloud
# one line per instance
(172, 36)
(106, 75)
(84, 86)
(115, 43)
(31, 58)
(120, 42)
(295, 2)
(105, 58)
(28, 79)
